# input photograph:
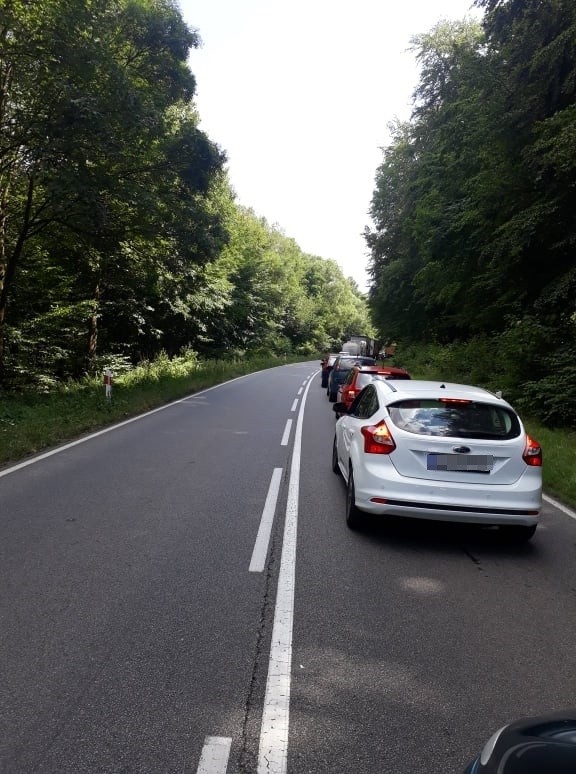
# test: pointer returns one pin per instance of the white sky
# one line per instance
(299, 94)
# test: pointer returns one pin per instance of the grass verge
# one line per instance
(33, 422)
(559, 467)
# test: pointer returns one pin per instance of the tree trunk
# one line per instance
(5, 85)
(93, 325)
(3, 265)
(9, 261)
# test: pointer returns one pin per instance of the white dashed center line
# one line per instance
(263, 538)
(214, 758)
(286, 436)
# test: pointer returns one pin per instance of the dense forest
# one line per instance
(474, 207)
(120, 237)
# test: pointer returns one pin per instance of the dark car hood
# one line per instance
(538, 745)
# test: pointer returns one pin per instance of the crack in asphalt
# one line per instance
(473, 558)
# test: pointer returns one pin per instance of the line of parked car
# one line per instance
(430, 449)
(449, 452)
(344, 375)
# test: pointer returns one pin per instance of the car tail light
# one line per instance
(378, 439)
(453, 400)
(532, 453)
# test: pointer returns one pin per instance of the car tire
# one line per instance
(335, 466)
(517, 533)
(354, 517)
(332, 397)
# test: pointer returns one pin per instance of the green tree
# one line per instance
(473, 208)
(91, 145)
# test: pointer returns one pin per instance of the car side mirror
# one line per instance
(340, 408)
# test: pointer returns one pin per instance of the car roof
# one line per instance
(416, 388)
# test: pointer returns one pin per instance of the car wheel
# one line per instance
(332, 397)
(517, 533)
(354, 517)
(335, 466)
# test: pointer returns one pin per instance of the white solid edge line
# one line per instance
(294, 404)
(260, 551)
(563, 508)
(273, 749)
(44, 455)
(214, 758)
(286, 436)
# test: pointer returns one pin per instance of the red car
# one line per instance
(359, 376)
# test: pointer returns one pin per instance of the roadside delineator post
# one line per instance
(108, 383)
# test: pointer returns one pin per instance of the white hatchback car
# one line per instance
(434, 450)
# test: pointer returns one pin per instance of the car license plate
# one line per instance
(465, 463)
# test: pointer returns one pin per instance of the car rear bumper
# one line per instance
(518, 503)
(435, 513)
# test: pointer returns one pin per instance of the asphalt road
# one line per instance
(135, 638)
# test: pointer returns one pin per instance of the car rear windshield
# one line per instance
(457, 419)
(345, 364)
(363, 379)
(349, 362)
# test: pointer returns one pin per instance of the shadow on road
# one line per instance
(418, 534)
